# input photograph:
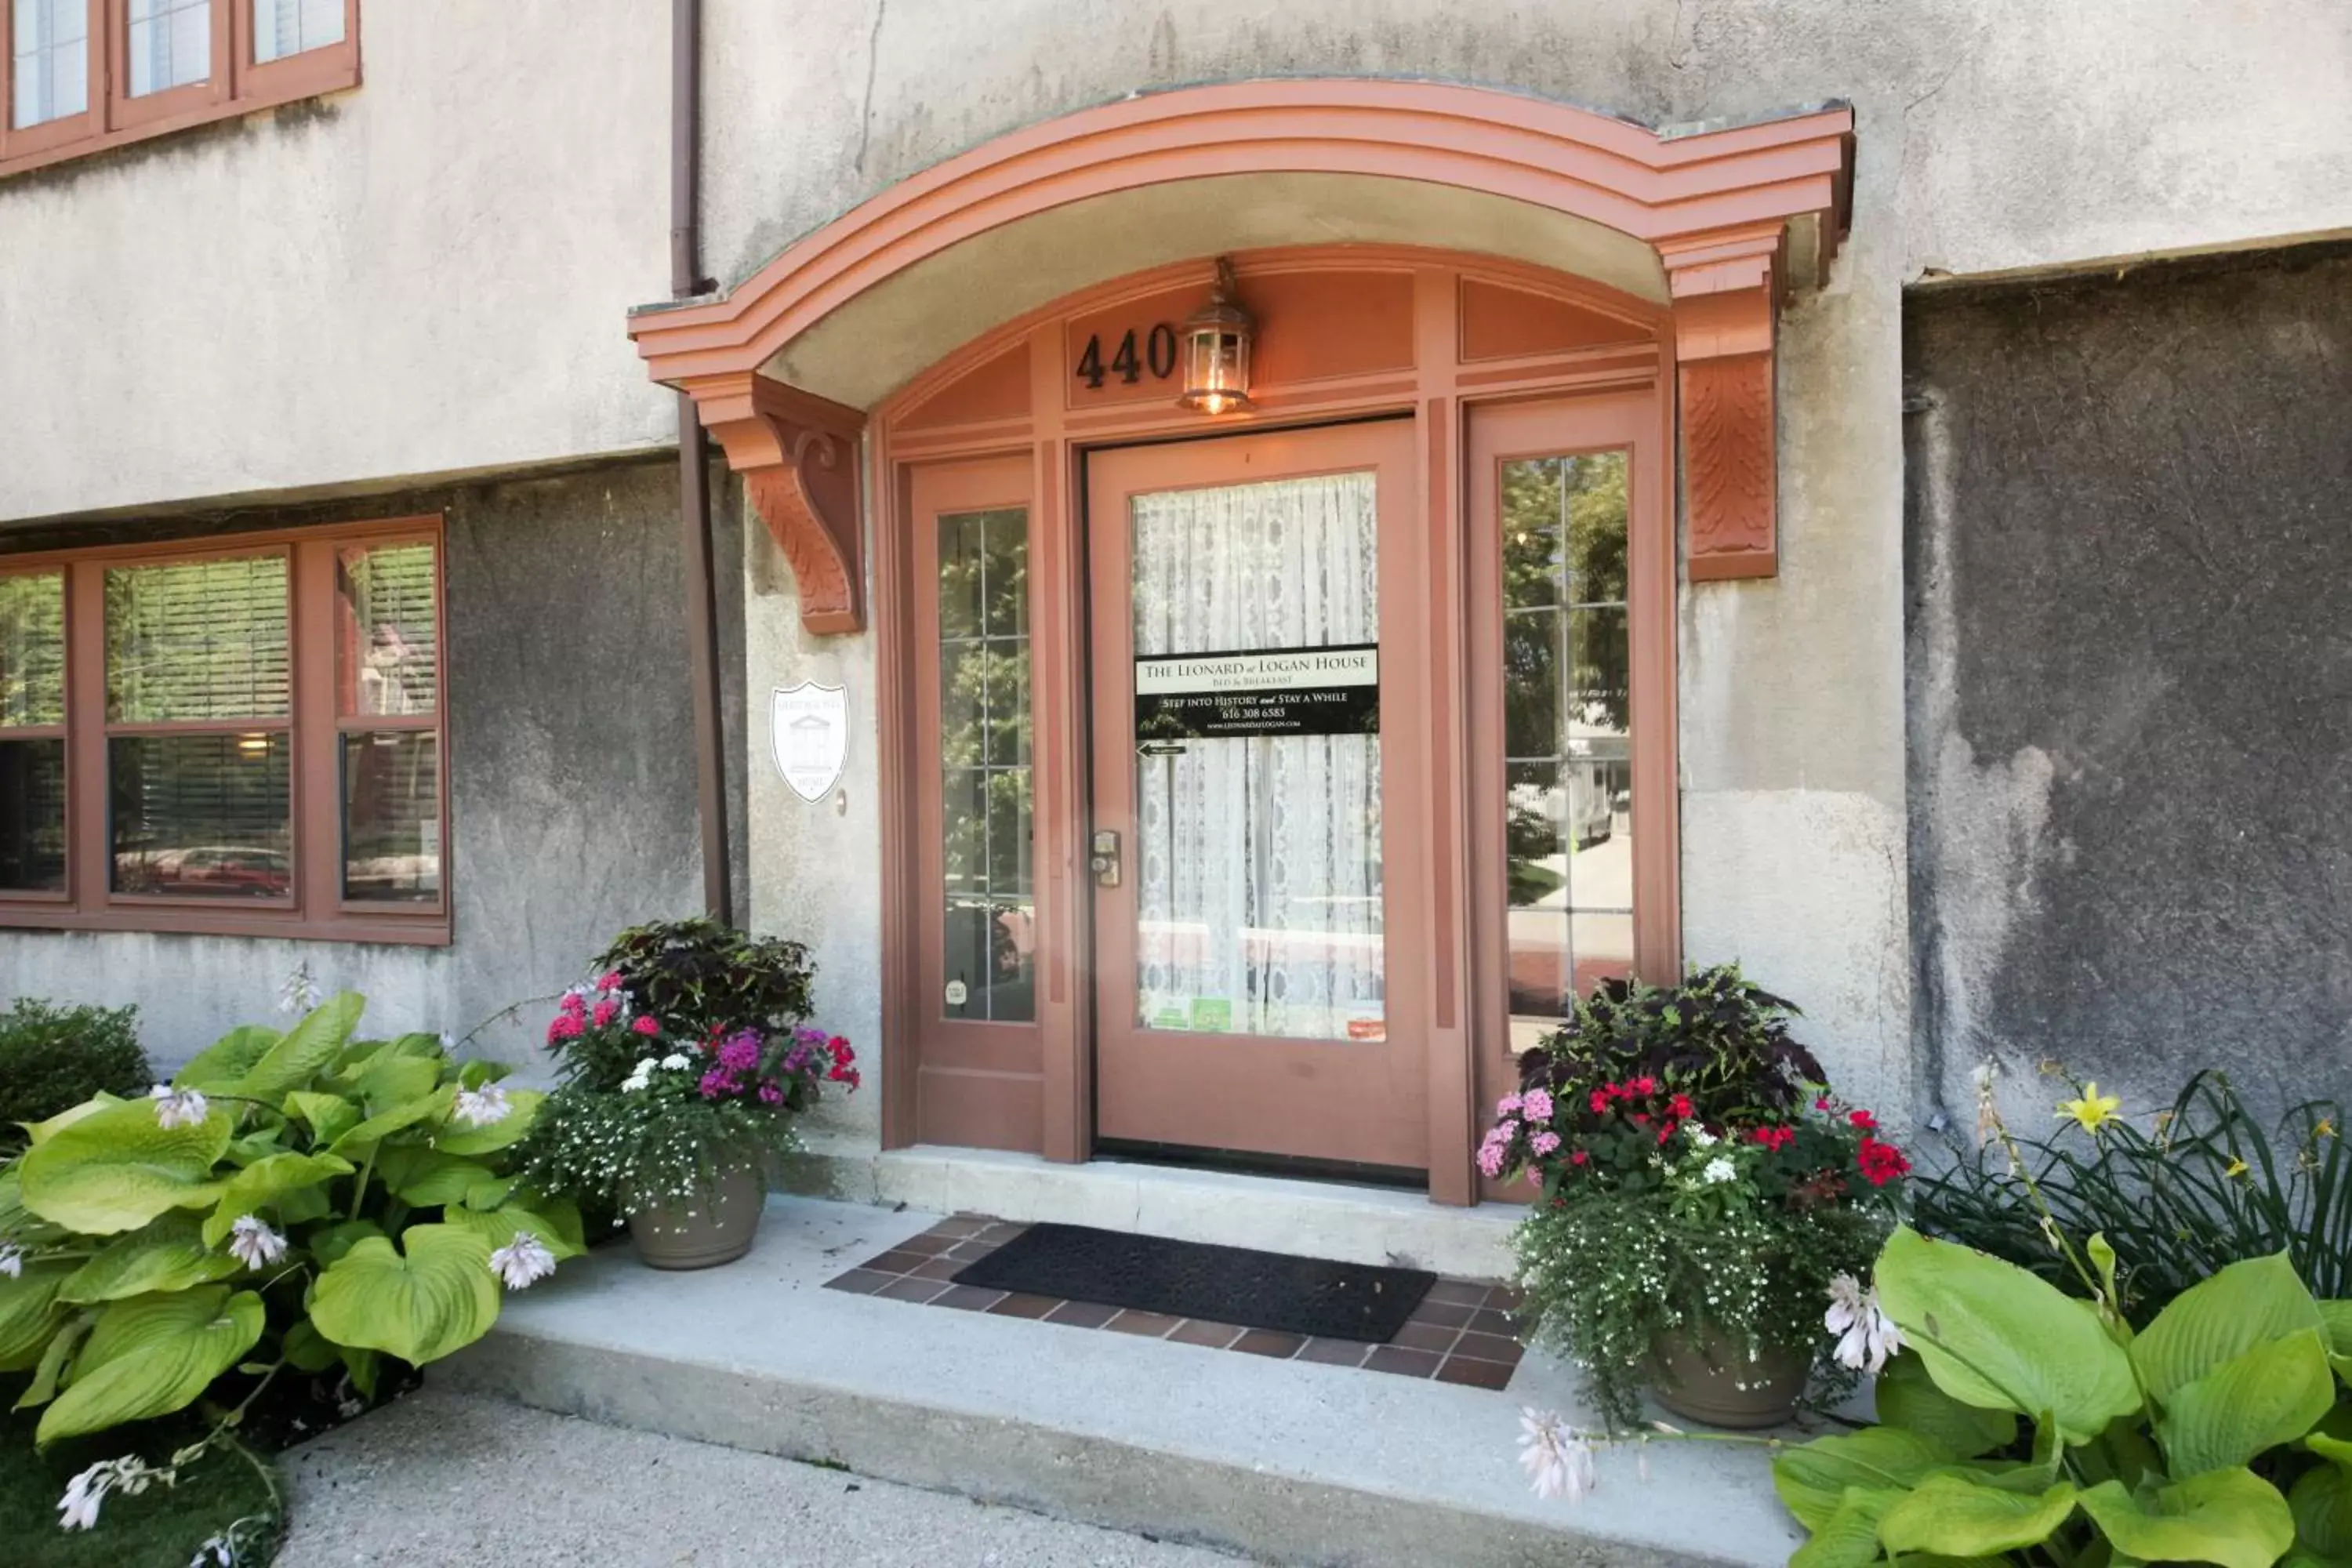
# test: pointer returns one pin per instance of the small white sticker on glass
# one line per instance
(957, 993)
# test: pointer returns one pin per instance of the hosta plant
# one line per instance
(306, 1201)
(2024, 1425)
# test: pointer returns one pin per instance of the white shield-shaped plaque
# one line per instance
(809, 726)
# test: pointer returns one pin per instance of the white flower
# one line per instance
(217, 1551)
(178, 1107)
(11, 1259)
(1558, 1458)
(676, 1062)
(252, 1243)
(301, 993)
(1700, 1135)
(78, 1510)
(633, 1086)
(483, 1107)
(1719, 1170)
(522, 1260)
(1866, 1335)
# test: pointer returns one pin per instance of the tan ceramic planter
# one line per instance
(705, 1233)
(1709, 1378)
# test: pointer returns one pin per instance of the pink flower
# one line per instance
(1504, 1131)
(563, 1026)
(645, 1024)
(1537, 1105)
(715, 1082)
(1506, 1105)
(1544, 1142)
(1490, 1159)
(609, 982)
(741, 1052)
(574, 1003)
(604, 1011)
(771, 1095)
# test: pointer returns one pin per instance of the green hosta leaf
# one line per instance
(425, 1178)
(169, 1255)
(1908, 1398)
(522, 1105)
(30, 1312)
(263, 1182)
(2234, 1517)
(2322, 1501)
(224, 1064)
(308, 1350)
(328, 1116)
(39, 1132)
(362, 1365)
(151, 1356)
(438, 1297)
(1812, 1481)
(115, 1171)
(52, 1368)
(2219, 1319)
(480, 1071)
(391, 1079)
(303, 1051)
(2274, 1393)
(491, 1191)
(1959, 1516)
(2338, 1317)
(555, 1221)
(1848, 1536)
(329, 1245)
(357, 1142)
(1993, 1336)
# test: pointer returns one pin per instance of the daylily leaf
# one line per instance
(438, 1298)
(2232, 1518)
(2218, 1319)
(151, 1356)
(2272, 1394)
(119, 1168)
(263, 1182)
(1958, 1517)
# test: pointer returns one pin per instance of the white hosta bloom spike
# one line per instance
(1558, 1458)
(522, 1261)
(1866, 1335)
(178, 1107)
(78, 1510)
(252, 1243)
(11, 1259)
(483, 1107)
(301, 993)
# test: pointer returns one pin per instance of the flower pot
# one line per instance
(1707, 1378)
(703, 1232)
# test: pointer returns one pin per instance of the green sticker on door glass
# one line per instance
(1212, 1015)
(1168, 1016)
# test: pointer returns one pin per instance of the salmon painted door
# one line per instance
(1259, 703)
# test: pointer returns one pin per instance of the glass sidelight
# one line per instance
(1568, 769)
(1258, 855)
(986, 767)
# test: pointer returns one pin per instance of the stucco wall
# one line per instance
(2004, 135)
(2131, 666)
(572, 763)
(426, 276)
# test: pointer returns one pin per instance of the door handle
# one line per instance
(1105, 859)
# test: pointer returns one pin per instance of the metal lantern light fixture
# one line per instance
(1217, 351)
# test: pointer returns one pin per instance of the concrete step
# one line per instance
(1285, 1461)
(1321, 1219)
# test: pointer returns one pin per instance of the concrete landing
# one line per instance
(1285, 1462)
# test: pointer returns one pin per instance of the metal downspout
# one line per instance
(686, 280)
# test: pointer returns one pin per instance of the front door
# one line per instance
(1260, 713)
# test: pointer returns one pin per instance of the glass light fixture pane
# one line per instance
(33, 649)
(33, 816)
(387, 633)
(200, 815)
(392, 817)
(197, 639)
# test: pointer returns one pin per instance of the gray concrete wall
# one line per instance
(571, 769)
(2130, 660)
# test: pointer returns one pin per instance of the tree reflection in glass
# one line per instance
(986, 779)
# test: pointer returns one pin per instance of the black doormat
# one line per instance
(1216, 1284)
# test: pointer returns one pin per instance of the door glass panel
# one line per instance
(1258, 853)
(986, 802)
(1568, 770)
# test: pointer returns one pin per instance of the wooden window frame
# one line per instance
(236, 85)
(315, 906)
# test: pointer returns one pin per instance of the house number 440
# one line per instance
(1158, 357)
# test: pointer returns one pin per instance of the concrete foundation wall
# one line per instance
(572, 773)
(2131, 674)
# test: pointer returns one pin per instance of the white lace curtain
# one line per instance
(1259, 857)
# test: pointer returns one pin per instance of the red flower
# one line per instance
(574, 1003)
(565, 1026)
(1601, 1101)
(1667, 1131)
(1681, 1106)
(1881, 1163)
(1639, 1120)
(1645, 1084)
(1823, 1103)
(1864, 1119)
(645, 1024)
(1578, 1157)
(610, 982)
(1775, 1138)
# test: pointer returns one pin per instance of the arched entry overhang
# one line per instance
(1719, 223)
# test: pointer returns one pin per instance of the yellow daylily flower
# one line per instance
(2091, 1112)
(2237, 1168)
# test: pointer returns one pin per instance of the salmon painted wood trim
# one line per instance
(1726, 291)
(798, 454)
(1657, 188)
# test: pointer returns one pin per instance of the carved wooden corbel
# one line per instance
(1726, 289)
(799, 457)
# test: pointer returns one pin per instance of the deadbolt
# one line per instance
(1105, 861)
